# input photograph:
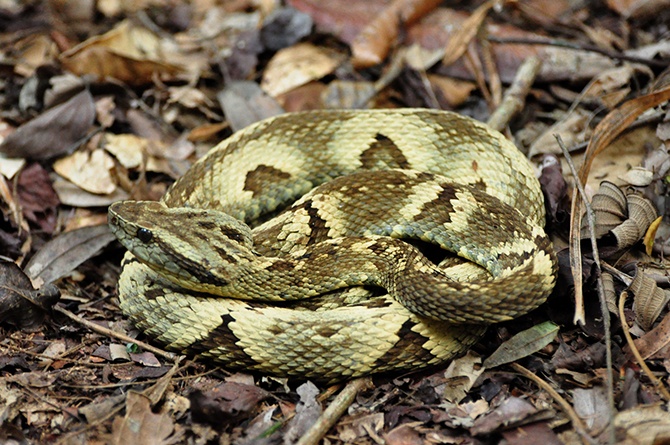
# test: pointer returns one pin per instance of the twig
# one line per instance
(515, 96)
(578, 47)
(579, 306)
(631, 344)
(122, 337)
(334, 411)
(565, 406)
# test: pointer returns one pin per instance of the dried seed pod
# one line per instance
(641, 213)
(610, 293)
(609, 208)
(649, 299)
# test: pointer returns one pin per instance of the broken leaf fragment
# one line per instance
(22, 305)
(131, 54)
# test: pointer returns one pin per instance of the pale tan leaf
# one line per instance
(461, 375)
(298, 65)
(128, 149)
(649, 299)
(89, 170)
(140, 426)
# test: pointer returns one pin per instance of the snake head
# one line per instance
(188, 246)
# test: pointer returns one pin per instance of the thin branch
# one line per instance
(577, 423)
(121, 337)
(334, 411)
(609, 375)
(580, 47)
(631, 344)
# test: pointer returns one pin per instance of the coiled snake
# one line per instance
(338, 285)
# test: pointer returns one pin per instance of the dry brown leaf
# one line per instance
(89, 170)
(32, 52)
(298, 65)
(643, 425)
(140, 425)
(607, 130)
(573, 129)
(653, 341)
(64, 253)
(53, 132)
(342, 18)
(591, 405)
(244, 103)
(37, 197)
(454, 91)
(348, 94)
(461, 375)
(128, 149)
(649, 299)
(372, 45)
(459, 42)
(21, 304)
(72, 195)
(129, 53)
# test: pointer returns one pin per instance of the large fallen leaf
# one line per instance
(140, 426)
(64, 253)
(89, 170)
(523, 344)
(298, 65)
(604, 134)
(129, 53)
(372, 45)
(54, 132)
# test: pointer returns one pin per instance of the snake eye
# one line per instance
(144, 235)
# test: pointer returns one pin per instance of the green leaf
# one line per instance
(523, 344)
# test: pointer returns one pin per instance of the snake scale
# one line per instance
(338, 243)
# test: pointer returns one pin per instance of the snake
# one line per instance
(333, 244)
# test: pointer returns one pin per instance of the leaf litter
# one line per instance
(121, 102)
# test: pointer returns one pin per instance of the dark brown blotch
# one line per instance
(383, 152)
(410, 344)
(441, 205)
(258, 179)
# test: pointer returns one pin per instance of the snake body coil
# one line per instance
(336, 286)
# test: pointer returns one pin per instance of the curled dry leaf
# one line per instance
(128, 53)
(649, 299)
(459, 42)
(641, 213)
(141, 426)
(54, 132)
(297, 65)
(348, 94)
(64, 253)
(37, 197)
(610, 293)
(627, 217)
(92, 171)
(21, 304)
(244, 102)
(610, 209)
(372, 45)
